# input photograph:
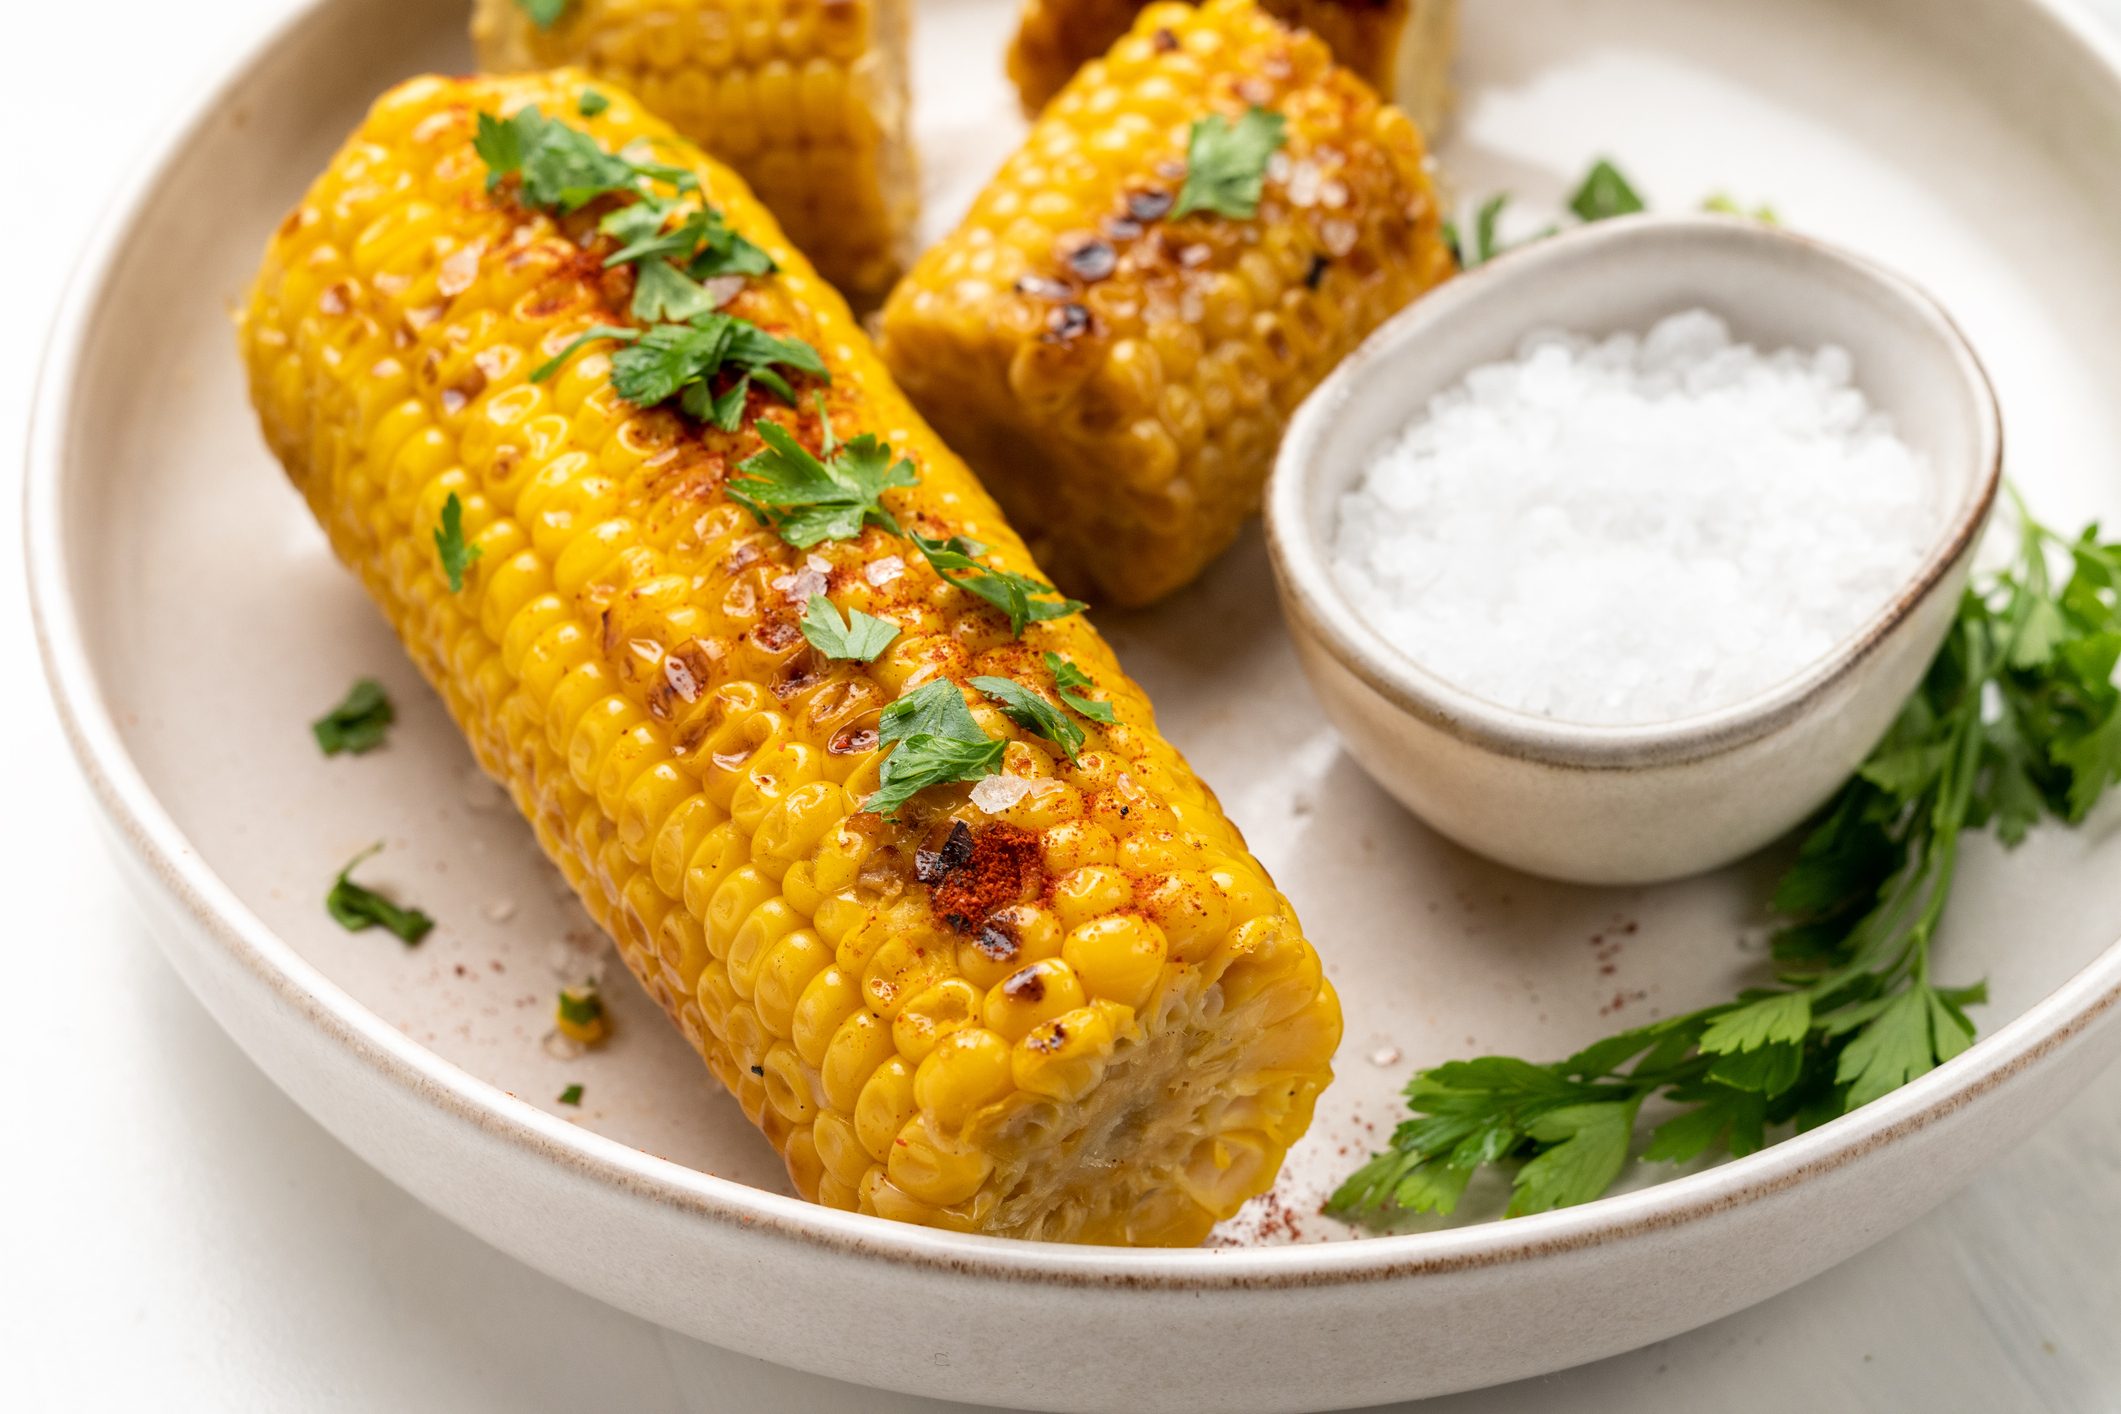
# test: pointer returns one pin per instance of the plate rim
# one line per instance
(156, 843)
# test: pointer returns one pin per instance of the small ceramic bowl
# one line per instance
(1632, 804)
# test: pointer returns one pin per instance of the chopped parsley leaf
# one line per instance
(355, 907)
(938, 741)
(449, 544)
(858, 638)
(1226, 163)
(1069, 681)
(561, 167)
(580, 1006)
(807, 499)
(682, 359)
(1022, 598)
(358, 724)
(543, 13)
(572, 1095)
(591, 103)
(1034, 713)
(1605, 194)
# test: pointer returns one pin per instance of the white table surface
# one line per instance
(179, 1236)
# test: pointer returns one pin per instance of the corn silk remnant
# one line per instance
(1639, 528)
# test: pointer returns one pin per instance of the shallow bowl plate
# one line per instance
(193, 624)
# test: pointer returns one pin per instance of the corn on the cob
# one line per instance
(806, 99)
(1401, 48)
(1120, 376)
(1074, 1009)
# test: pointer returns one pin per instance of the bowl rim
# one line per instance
(1312, 593)
(151, 837)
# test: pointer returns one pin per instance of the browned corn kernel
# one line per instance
(1121, 379)
(1401, 48)
(807, 99)
(990, 1041)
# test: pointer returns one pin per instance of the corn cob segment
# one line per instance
(1074, 1008)
(806, 99)
(1401, 48)
(1120, 376)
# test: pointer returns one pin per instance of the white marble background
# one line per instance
(178, 1236)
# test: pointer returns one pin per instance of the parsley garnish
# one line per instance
(1226, 163)
(561, 167)
(2018, 720)
(857, 638)
(357, 724)
(938, 741)
(572, 1095)
(1034, 713)
(356, 908)
(449, 544)
(581, 1006)
(1069, 681)
(1724, 204)
(543, 13)
(807, 499)
(682, 360)
(1604, 194)
(591, 103)
(1023, 598)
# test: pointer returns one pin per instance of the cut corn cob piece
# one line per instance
(1119, 378)
(807, 99)
(1076, 1011)
(1401, 48)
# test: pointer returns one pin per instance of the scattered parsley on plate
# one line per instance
(359, 723)
(356, 907)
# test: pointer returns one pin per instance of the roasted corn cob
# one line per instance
(1065, 1003)
(806, 99)
(1119, 373)
(1401, 48)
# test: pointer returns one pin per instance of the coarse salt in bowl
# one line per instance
(1626, 602)
(1635, 529)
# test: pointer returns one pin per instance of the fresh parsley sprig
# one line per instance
(2018, 720)
(808, 499)
(1604, 192)
(1226, 163)
(1033, 713)
(937, 740)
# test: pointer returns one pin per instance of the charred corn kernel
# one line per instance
(1032, 995)
(630, 664)
(1065, 1058)
(1120, 379)
(1118, 958)
(579, 1015)
(806, 99)
(1401, 48)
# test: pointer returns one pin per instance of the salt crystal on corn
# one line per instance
(1636, 529)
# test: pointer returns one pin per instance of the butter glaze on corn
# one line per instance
(1401, 48)
(1103, 1025)
(1121, 380)
(806, 99)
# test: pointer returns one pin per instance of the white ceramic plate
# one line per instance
(193, 624)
